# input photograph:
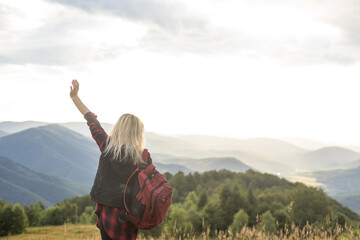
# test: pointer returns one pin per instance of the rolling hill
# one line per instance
(263, 146)
(328, 158)
(82, 127)
(228, 163)
(207, 164)
(343, 185)
(23, 185)
(3, 133)
(175, 147)
(55, 150)
(259, 162)
(13, 127)
(306, 143)
(340, 182)
(171, 168)
(352, 201)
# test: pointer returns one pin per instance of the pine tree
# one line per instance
(6, 219)
(241, 219)
(202, 200)
(251, 208)
(19, 220)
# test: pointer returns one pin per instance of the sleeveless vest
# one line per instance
(110, 181)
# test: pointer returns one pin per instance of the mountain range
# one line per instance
(328, 158)
(55, 150)
(339, 182)
(23, 185)
(351, 201)
(13, 127)
(66, 150)
(207, 164)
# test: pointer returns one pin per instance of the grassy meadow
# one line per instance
(76, 231)
(66, 231)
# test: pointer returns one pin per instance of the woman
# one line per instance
(121, 153)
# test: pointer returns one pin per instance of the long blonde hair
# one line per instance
(126, 139)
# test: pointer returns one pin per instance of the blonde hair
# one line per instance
(126, 139)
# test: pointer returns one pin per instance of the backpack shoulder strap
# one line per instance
(127, 182)
(146, 158)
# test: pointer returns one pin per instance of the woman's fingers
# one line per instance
(74, 88)
(75, 83)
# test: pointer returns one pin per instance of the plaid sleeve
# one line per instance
(97, 132)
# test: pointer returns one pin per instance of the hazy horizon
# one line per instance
(306, 143)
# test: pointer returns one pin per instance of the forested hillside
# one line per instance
(219, 200)
(19, 184)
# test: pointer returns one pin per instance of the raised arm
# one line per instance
(97, 132)
(74, 89)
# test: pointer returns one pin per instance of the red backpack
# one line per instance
(151, 198)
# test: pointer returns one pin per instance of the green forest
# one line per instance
(217, 201)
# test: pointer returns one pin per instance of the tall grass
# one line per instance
(248, 233)
(328, 230)
(73, 231)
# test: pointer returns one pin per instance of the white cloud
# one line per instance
(63, 35)
(62, 32)
(172, 15)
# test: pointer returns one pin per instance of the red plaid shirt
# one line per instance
(108, 215)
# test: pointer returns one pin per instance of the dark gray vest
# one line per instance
(110, 181)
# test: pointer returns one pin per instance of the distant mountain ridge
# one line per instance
(340, 182)
(53, 149)
(23, 185)
(3, 133)
(13, 127)
(171, 168)
(80, 127)
(260, 145)
(343, 185)
(83, 128)
(307, 143)
(228, 163)
(351, 201)
(329, 158)
(206, 164)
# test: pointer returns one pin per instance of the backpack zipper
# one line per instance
(148, 178)
(157, 196)
(166, 197)
(152, 192)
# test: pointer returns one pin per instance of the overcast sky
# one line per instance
(242, 68)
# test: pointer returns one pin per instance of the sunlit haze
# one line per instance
(227, 68)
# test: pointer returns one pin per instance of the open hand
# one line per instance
(74, 89)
